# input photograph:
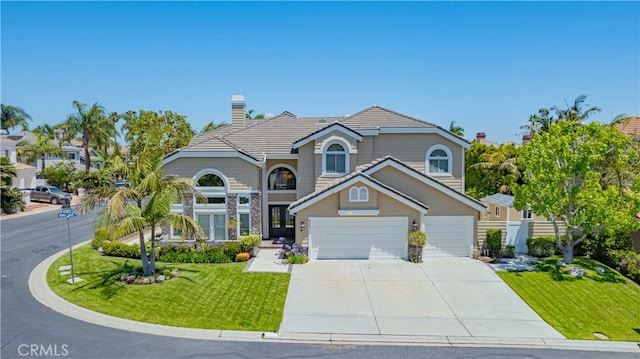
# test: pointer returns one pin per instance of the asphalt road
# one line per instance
(31, 330)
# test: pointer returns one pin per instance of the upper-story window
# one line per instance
(527, 214)
(282, 179)
(210, 180)
(438, 161)
(335, 159)
(358, 194)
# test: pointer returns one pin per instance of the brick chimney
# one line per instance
(481, 138)
(526, 138)
(238, 112)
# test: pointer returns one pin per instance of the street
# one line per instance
(30, 329)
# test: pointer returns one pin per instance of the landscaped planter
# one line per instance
(415, 254)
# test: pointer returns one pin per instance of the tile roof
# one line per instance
(500, 199)
(279, 133)
(350, 176)
(630, 126)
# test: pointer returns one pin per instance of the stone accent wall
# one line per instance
(256, 213)
(187, 206)
(232, 215)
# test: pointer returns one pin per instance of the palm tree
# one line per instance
(250, 115)
(13, 116)
(7, 172)
(502, 166)
(92, 124)
(213, 126)
(145, 204)
(458, 130)
(31, 151)
(540, 122)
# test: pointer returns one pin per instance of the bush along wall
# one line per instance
(494, 242)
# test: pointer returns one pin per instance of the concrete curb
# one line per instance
(43, 294)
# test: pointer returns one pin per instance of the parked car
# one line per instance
(50, 194)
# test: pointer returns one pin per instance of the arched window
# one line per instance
(282, 179)
(335, 160)
(358, 194)
(438, 161)
(210, 180)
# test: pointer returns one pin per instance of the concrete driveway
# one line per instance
(443, 296)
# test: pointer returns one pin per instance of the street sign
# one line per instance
(62, 215)
(67, 210)
(74, 214)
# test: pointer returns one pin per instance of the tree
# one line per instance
(540, 122)
(92, 124)
(162, 131)
(145, 204)
(213, 126)
(561, 184)
(31, 151)
(501, 166)
(13, 116)
(456, 129)
(61, 174)
(250, 115)
(10, 198)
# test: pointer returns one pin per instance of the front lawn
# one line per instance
(211, 296)
(606, 303)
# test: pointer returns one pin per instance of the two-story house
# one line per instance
(349, 187)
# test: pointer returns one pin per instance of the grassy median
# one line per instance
(211, 296)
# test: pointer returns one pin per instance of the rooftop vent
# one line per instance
(322, 120)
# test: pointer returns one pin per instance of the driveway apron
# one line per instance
(444, 296)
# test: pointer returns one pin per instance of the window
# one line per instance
(335, 159)
(438, 161)
(245, 225)
(358, 194)
(72, 155)
(282, 179)
(526, 214)
(216, 200)
(497, 211)
(210, 180)
(242, 200)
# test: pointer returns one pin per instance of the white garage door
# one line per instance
(448, 235)
(357, 237)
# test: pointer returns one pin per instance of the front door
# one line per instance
(281, 222)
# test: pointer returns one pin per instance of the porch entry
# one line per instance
(281, 222)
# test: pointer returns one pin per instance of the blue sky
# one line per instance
(485, 65)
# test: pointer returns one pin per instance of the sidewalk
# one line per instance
(42, 293)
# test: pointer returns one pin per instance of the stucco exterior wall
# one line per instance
(242, 175)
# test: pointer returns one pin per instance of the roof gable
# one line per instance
(500, 199)
(336, 126)
(630, 126)
(401, 166)
(349, 180)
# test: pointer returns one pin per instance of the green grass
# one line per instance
(213, 296)
(607, 303)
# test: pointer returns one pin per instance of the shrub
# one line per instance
(630, 266)
(190, 252)
(119, 249)
(11, 200)
(242, 257)
(249, 242)
(542, 246)
(294, 254)
(297, 259)
(231, 249)
(417, 238)
(99, 236)
(494, 242)
(509, 252)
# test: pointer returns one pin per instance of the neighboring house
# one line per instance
(517, 226)
(74, 154)
(481, 138)
(26, 173)
(349, 187)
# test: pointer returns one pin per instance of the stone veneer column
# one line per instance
(232, 215)
(256, 213)
(187, 208)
